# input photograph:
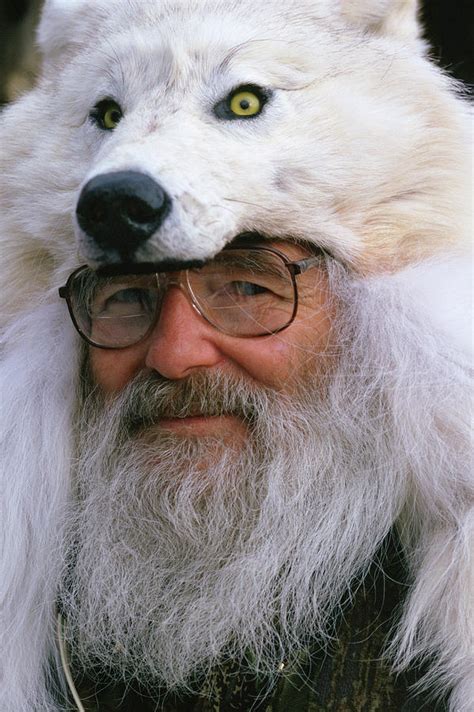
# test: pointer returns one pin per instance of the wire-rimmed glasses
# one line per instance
(245, 291)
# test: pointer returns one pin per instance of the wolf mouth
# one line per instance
(243, 239)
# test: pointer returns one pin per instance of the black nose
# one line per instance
(122, 210)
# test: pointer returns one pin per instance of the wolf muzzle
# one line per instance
(120, 211)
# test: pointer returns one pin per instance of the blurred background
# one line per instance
(449, 27)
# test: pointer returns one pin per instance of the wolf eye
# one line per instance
(107, 114)
(244, 102)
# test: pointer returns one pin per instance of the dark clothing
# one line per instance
(348, 677)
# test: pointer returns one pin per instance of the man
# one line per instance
(238, 476)
(237, 467)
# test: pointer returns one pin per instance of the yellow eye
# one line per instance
(112, 117)
(107, 114)
(246, 103)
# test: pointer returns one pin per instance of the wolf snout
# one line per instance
(120, 211)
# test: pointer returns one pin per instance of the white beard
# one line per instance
(189, 551)
(389, 436)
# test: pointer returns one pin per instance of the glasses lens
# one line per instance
(244, 292)
(116, 311)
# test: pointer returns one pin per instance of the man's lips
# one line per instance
(199, 424)
(171, 416)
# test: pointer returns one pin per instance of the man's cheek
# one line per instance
(113, 369)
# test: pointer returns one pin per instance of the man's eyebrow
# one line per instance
(248, 261)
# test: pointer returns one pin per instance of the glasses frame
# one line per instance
(294, 267)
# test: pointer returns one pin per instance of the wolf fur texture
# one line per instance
(362, 148)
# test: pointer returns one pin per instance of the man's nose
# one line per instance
(182, 341)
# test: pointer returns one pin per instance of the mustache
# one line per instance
(150, 398)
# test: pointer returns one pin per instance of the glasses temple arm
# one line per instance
(303, 265)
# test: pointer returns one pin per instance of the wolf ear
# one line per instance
(63, 23)
(395, 18)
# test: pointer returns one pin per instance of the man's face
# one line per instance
(183, 343)
(227, 486)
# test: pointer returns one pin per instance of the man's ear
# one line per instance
(392, 18)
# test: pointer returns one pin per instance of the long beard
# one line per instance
(185, 551)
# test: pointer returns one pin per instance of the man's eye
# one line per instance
(125, 301)
(245, 102)
(126, 296)
(107, 114)
(245, 289)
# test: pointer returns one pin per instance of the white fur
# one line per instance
(364, 150)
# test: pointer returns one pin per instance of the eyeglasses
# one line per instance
(245, 291)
